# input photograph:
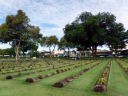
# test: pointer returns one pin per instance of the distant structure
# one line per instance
(126, 46)
(58, 52)
(104, 53)
(55, 53)
(45, 53)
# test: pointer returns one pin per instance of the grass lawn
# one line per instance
(82, 86)
(118, 83)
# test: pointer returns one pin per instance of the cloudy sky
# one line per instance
(52, 15)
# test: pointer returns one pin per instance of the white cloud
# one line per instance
(61, 12)
(4, 46)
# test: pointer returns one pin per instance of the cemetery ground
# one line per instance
(79, 78)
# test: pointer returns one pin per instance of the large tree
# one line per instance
(89, 31)
(84, 32)
(16, 30)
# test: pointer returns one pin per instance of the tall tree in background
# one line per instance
(126, 36)
(51, 41)
(84, 32)
(115, 34)
(90, 31)
(16, 30)
(28, 46)
(115, 37)
(63, 45)
(9, 52)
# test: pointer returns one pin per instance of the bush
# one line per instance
(85, 69)
(19, 73)
(98, 88)
(58, 84)
(53, 73)
(126, 69)
(102, 81)
(58, 71)
(40, 76)
(62, 70)
(9, 77)
(65, 69)
(32, 80)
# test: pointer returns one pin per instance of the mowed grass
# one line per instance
(118, 83)
(82, 86)
(18, 86)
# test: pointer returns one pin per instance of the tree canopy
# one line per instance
(50, 41)
(18, 31)
(89, 31)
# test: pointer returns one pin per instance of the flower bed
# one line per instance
(35, 71)
(101, 83)
(67, 80)
(125, 68)
(58, 71)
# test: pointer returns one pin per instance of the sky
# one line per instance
(52, 15)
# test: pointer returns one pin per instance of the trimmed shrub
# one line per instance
(62, 70)
(9, 77)
(66, 69)
(19, 74)
(102, 81)
(40, 76)
(32, 80)
(58, 84)
(54, 73)
(58, 71)
(98, 88)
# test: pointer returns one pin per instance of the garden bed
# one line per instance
(102, 82)
(67, 80)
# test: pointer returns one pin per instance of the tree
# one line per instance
(116, 38)
(95, 33)
(28, 46)
(8, 51)
(16, 30)
(49, 42)
(84, 32)
(63, 44)
(89, 31)
(126, 36)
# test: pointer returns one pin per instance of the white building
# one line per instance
(126, 46)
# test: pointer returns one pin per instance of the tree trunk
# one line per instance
(94, 50)
(68, 52)
(23, 54)
(17, 53)
(53, 49)
(50, 51)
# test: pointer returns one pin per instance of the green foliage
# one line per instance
(102, 81)
(63, 44)
(50, 41)
(8, 51)
(89, 31)
(18, 32)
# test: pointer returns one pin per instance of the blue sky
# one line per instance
(48, 26)
(52, 15)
